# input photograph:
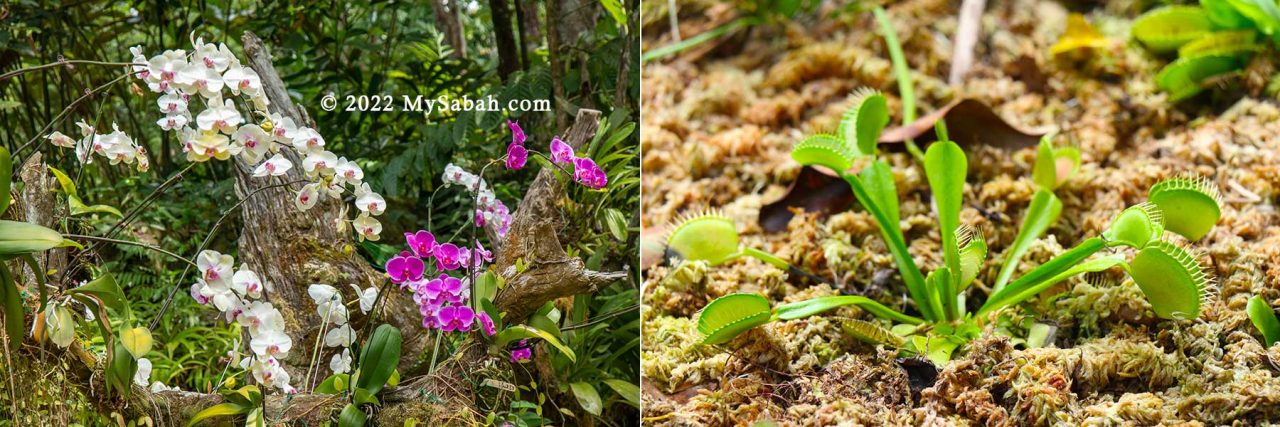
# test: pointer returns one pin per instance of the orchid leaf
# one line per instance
(730, 315)
(18, 238)
(11, 307)
(524, 331)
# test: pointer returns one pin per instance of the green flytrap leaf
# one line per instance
(1264, 318)
(1184, 78)
(824, 150)
(728, 316)
(861, 125)
(1041, 213)
(1264, 14)
(870, 333)
(1054, 166)
(945, 167)
(1167, 28)
(1241, 42)
(1136, 226)
(877, 178)
(708, 237)
(814, 306)
(973, 254)
(1172, 280)
(1225, 16)
(1189, 204)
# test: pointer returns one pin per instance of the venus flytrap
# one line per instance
(1169, 276)
(1264, 318)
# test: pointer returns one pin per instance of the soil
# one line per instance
(718, 127)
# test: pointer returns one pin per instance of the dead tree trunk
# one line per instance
(447, 21)
(293, 249)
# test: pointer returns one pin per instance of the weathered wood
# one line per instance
(39, 205)
(292, 249)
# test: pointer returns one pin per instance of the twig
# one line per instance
(14, 73)
(966, 38)
(126, 242)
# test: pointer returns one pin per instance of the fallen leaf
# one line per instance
(969, 122)
(816, 190)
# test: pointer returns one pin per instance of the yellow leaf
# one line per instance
(137, 341)
(1079, 35)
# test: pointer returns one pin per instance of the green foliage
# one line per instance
(1165, 29)
(1190, 205)
(861, 125)
(730, 315)
(1212, 40)
(1172, 280)
(378, 358)
(518, 332)
(824, 150)
(1264, 318)
(246, 401)
(1136, 226)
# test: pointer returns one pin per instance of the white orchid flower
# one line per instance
(368, 201)
(209, 145)
(242, 79)
(307, 197)
(221, 116)
(341, 336)
(172, 103)
(165, 67)
(196, 78)
(328, 303)
(255, 142)
(58, 139)
(271, 342)
(214, 266)
(341, 362)
(367, 227)
(367, 297)
(174, 121)
(282, 128)
(260, 316)
(348, 171)
(143, 376)
(212, 57)
(307, 140)
(320, 162)
(246, 282)
(275, 166)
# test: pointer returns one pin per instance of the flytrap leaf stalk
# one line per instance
(1169, 275)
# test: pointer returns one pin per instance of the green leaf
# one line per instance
(120, 369)
(1184, 78)
(1045, 171)
(616, 11)
(1032, 283)
(6, 177)
(1264, 14)
(137, 341)
(708, 237)
(379, 358)
(11, 302)
(219, 410)
(945, 166)
(1041, 213)
(617, 224)
(1225, 16)
(1239, 43)
(870, 333)
(588, 397)
(1264, 318)
(61, 325)
(824, 150)
(516, 332)
(364, 397)
(891, 231)
(105, 289)
(628, 390)
(64, 181)
(23, 238)
(878, 179)
(334, 384)
(1165, 29)
(730, 315)
(1135, 226)
(814, 306)
(973, 254)
(860, 127)
(74, 203)
(937, 349)
(486, 286)
(1190, 205)
(1038, 335)
(1171, 278)
(41, 280)
(352, 416)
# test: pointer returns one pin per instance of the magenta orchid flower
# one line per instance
(456, 318)
(404, 268)
(449, 256)
(561, 153)
(517, 134)
(521, 352)
(517, 155)
(486, 323)
(423, 243)
(587, 173)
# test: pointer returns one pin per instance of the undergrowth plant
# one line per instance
(1264, 318)
(1170, 277)
(1214, 39)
